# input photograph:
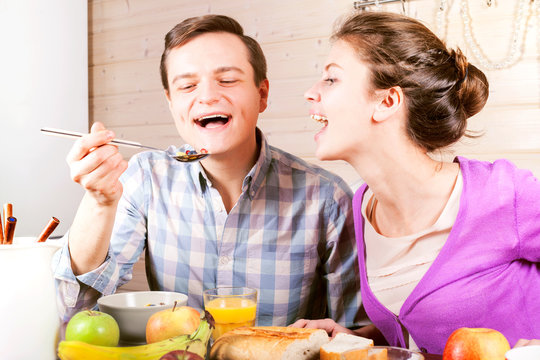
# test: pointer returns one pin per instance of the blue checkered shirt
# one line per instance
(290, 235)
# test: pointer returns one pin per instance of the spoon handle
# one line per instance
(74, 134)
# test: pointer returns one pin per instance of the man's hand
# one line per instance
(97, 166)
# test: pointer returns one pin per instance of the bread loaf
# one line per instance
(269, 343)
(346, 347)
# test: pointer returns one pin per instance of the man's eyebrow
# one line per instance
(220, 70)
(182, 76)
(223, 69)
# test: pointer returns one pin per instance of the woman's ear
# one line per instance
(391, 100)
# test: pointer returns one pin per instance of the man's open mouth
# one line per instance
(212, 121)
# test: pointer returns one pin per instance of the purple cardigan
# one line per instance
(488, 271)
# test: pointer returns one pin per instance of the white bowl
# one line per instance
(531, 352)
(131, 310)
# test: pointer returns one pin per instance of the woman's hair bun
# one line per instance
(472, 85)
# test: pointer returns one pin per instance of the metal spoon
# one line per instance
(183, 157)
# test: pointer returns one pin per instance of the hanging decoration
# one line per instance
(517, 38)
(440, 19)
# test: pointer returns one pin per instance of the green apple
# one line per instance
(93, 327)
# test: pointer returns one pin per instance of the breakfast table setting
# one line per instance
(152, 324)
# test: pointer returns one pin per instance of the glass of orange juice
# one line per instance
(231, 307)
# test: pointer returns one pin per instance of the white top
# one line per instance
(396, 265)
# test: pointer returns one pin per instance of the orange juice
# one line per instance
(230, 313)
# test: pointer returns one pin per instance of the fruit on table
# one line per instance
(475, 344)
(168, 323)
(195, 343)
(180, 355)
(93, 327)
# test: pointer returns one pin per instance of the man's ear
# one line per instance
(263, 93)
(391, 100)
(168, 97)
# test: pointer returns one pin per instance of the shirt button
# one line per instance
(224, 260)
(422, 349)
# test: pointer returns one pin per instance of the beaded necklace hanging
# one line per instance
(517, 40)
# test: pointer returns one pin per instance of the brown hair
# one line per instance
(441, 88)
(195, 26)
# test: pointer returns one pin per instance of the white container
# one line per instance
(531, 352)
(29, 321)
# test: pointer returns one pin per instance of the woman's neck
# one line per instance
(411, 189)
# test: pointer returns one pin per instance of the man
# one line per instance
(247, 215)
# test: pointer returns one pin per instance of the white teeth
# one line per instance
(213, 116)
(320, 118)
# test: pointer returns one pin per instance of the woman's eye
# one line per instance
(330, 81)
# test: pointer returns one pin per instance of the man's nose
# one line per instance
(208, 92)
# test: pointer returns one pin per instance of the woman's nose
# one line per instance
(312, 95)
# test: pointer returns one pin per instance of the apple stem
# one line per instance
(174, 307)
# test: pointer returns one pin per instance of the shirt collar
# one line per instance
(253, 179)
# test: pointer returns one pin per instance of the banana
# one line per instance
(196, 343)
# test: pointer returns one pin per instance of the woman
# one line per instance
(446, 244)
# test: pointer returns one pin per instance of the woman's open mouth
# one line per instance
(323, 120)
(319, 118)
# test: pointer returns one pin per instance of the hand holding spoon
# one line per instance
(180, 156)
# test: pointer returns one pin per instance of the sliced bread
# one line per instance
(346, 347)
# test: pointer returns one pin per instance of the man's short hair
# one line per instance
(195, 26)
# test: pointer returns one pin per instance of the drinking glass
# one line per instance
(231, 307)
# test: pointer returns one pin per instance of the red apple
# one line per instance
(169, 323)
(475, 344)
(93, 327)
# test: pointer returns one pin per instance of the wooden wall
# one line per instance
(126, 41)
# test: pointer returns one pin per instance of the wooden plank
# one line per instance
(266, 20)
(126, 77)
(128, 44)
(283, 25)
(140, 108)
(117, 14)
(504, 130)
(159, 136)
